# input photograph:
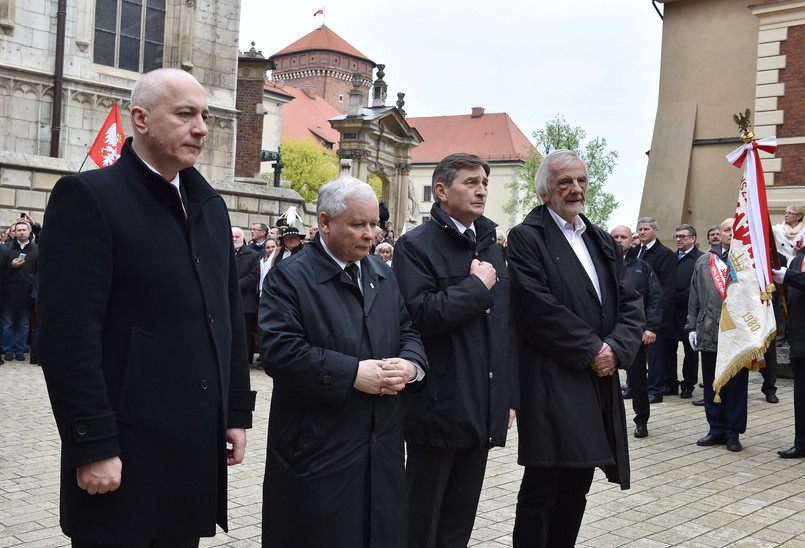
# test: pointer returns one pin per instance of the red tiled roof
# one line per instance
(323, 38)
(493, 137)
(305, 117)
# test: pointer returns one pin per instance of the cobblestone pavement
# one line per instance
(681, 495)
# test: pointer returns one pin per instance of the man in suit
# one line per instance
(647, 284)
(663, 263)
(676, 316)
(259, 233)
(453, 277)
(248, 262)
(339, 344)
(142, 340)
(726, 419)
(578, 319)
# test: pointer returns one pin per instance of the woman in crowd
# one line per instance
(789, 231)
(385, 251)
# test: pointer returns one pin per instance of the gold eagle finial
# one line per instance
(743, 124)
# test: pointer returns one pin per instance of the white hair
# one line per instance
(333, 195)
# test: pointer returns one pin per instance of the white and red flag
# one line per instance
(106, 148)
(747, 316)
(319, 12)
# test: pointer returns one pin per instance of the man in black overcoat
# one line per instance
(248, 261)
(339, 344)
(453, 277)
(578, 319)
(663, 262)
(676, 316)
(142, 340)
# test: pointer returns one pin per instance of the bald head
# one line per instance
(622, 235)
(725, 230)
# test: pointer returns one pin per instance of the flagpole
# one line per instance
(82, 164)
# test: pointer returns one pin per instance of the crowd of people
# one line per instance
(397, 363)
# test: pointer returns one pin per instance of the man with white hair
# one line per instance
(578, 320)
(339, 344)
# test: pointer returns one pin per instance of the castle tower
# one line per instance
(323, 63)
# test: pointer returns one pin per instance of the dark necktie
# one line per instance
(470, 235)
(642, 252)
(352, 271)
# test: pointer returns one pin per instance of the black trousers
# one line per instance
(153, 543)
(769, 372)
(444, 486)
(798, 368)
(638, 383)
(550, 507)
(690, 364)
(251, 326)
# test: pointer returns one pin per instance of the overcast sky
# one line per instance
(594, 62)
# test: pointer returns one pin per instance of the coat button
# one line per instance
(195, 258)
(81, 429)
(210, 318)
(204, 384)
(491, 375)
(326, 379)
(374, 438)
(488, 310)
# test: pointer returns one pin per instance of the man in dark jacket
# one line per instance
(142, 341)
(647, 284)
(676, 316)
(248, 262)
(17, 300)
(453, 277)
(663, 263)
(578, 318)
(340, 346)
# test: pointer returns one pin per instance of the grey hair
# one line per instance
(650, 220)
(689, 228)
(333, 195)
(711, 229)
(239, 230)
(147, 89)
(559, 158)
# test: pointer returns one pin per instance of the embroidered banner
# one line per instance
(747, 317)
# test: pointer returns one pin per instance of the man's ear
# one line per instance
(440, 189)
(324, 222)
(139, 120)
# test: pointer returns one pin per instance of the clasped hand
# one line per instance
(386, 376)
(605, 362)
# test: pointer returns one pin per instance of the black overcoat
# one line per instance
(676, 316)
(467, 332)
(143, 347)
(335, 462)
(248, 261)
(795, 285)
(663, 261)
(569, 417)
(20, 281)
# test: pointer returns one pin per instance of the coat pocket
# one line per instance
(137, 378)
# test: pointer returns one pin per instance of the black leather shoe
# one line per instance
(653, 398)
(793, 453)
(711, 439)
(627, 393)
(686, 393)
(734, 445)
(669, 391)
(641, 431)
(771, 397)
(698, 403)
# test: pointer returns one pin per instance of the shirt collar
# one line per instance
(461, 228)
(340, 263)
(578, 227)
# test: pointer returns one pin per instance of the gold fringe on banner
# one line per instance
(726, 320)
(748, 360)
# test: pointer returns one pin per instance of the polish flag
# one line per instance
(321, 11)
(106, 148)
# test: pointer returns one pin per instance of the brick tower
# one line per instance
(322, 63)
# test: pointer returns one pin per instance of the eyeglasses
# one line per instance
(790, 213)
(681, 236)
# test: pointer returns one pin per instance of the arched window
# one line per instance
(130, 34)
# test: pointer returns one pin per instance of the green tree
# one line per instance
(558, 134)
(308, 166)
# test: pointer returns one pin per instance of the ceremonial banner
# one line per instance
(106, 148)
(747, 317)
